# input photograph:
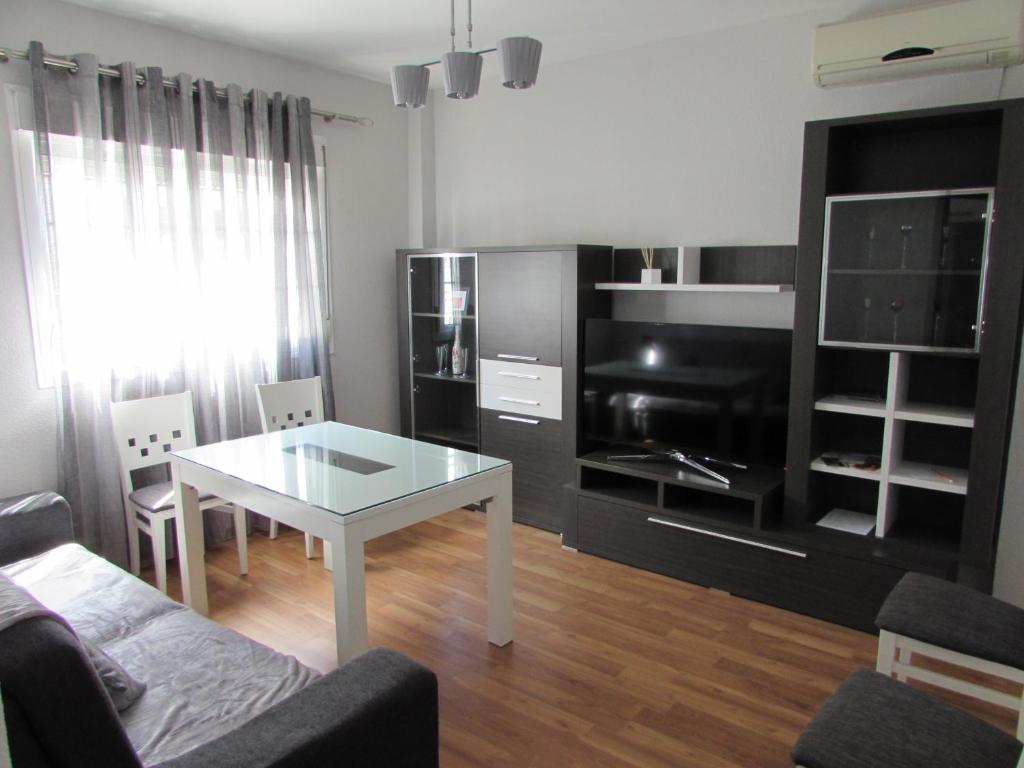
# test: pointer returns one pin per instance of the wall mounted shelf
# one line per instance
(697, 287)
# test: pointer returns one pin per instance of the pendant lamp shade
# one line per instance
(520, 61)
(409, 85)
(462, 74)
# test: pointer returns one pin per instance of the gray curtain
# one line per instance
(193, 219)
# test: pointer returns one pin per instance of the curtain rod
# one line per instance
(6, 54)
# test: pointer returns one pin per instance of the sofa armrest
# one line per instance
(378, 710)
(33, 523)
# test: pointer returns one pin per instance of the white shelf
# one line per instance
(930, 476)
(855, 405)
(820, 466)
(948, 415)
(696, 287)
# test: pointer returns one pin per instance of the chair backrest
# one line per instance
(147, 430)
(290, 404)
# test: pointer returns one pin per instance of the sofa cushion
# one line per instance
(956, 617)
(202, 679)
(123, 689)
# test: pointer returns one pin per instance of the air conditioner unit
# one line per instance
(940, 37)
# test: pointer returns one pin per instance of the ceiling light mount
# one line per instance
(520, 62)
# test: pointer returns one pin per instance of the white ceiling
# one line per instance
(366, 37)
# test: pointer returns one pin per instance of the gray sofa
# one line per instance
(213, 698)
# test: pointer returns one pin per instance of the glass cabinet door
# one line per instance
(443, 348)
(905, 271)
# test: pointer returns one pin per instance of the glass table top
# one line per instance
(337, 467)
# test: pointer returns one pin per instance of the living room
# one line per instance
(679, 126)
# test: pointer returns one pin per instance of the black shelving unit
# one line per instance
(934, 396)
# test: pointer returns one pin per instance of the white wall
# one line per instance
(368, 216)
(696, 141)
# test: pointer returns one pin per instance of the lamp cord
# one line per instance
(469, 25)
(452, 31)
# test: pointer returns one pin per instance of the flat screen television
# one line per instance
(710, 390)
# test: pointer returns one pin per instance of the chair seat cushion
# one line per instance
(159, 497)
(955, 617)
(873, 720)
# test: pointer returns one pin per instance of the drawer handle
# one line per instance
(519, 375)
(521, 420)
(504, 356)
(716, 535)
(518, 400)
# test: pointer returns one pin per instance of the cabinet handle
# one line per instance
(517, 400)
(520, 419)
(736, 539)
(505, 356)
(519, 375)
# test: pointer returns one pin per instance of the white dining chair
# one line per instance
(288, 404)
(146, 431)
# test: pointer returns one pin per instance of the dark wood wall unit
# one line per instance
(533, 301)
(970, 146)
(748, 264)
(837, 393)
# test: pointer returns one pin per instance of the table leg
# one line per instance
(499, 563)
(188, 520)
(349, 592)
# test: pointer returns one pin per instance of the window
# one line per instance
(148, 289)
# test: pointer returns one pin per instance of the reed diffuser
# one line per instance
(648, 274)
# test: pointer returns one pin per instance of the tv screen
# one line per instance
(712, 390)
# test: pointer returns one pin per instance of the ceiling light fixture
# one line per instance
(520, 62)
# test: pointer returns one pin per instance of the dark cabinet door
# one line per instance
(534, 447)
(521, 306)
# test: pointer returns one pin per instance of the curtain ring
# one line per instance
(140, 79)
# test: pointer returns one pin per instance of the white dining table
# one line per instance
(346, 485)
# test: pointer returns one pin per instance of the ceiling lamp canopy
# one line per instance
(520, 62)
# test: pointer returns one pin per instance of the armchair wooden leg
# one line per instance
(241, 537)
(886, 652)
(905, 657)
(273, 528)
(309, 546)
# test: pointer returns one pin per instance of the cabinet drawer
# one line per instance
(534, 448)
(833, 587)
(520, 307)
(538, 378)
(545, 405)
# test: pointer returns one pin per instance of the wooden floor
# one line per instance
(611, 666)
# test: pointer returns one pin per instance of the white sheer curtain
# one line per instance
(182, 250)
